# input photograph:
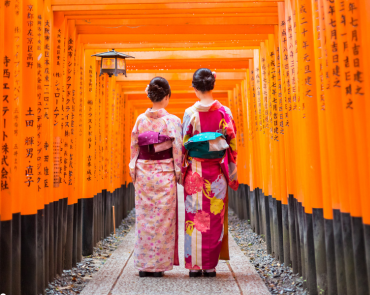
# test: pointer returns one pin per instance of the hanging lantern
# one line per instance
(113, 63)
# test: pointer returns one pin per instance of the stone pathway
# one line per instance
(119, 277)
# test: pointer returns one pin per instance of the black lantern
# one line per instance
(113, 62)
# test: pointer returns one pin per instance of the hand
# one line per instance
(179, 180)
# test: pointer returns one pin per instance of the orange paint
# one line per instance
(346, 138)
(250, 130)
(297, 123)
(268, 156)
(182, 29)
(321, 72)
(2, 39)
(28, 149)
(358, 107)
(89, 130)
(69, 115)
(282, 61)
(47, 178)
(106, 131)
(79, 164)
(278, 115)
(58, 48)
(243, 106)
(258, 107)
(41, 136)
(7, 118)
(313, 187)
(365, 24)
(17, 101)
(333, 109)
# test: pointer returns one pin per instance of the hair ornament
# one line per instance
(214, 74)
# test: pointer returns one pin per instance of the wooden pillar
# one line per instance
(358, 107)
(341, 59)
(80, 120)
(41, 204)
(365, 23)
(68, 145)
(57, 68)
(278, 142)
(89, 155)
(311, 165)
(47, 176)
(17, 164)
(2, 41)
(318, 212)
(28, 150)
(7, 147)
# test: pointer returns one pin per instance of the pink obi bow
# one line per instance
(158, 141)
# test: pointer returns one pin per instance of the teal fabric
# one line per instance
(198, 146)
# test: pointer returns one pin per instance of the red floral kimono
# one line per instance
(205, 183)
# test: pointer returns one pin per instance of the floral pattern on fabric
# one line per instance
(219, 186)
(159, 121)
(205, 184)
(194, 183)
(191, 205)
(189, 227)
(192, 126)
(155, 194)
(187, 245)
(202, 221)
(155, 203)
(216, 204)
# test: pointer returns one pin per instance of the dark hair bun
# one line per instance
(203, 80)
(158, 89)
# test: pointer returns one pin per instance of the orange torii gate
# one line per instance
(294, 73)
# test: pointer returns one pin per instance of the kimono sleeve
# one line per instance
(187, 130)
(175, 132)
(229, 163)
(134, 148)
(231, 134)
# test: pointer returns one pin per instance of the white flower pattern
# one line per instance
(155, 194)
(219, 186)
(190, 206)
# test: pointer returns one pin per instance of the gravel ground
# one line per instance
(74, 280)
(278, 278)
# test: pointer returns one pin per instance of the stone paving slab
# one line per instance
(104, 280)
(119, 277)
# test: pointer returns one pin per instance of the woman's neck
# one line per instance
(157, 106)
(206, 98)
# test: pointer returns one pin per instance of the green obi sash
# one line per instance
(199, 146)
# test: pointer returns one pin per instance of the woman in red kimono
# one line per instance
(209, 166)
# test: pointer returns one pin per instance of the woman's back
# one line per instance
(209, 166)
(159, 121)
(207, 118)
(155, 167)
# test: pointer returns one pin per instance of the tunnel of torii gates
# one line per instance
(295, 75)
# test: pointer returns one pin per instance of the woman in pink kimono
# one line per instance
(155, 169)
(209, 166)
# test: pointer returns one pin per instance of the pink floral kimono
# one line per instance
(205, 182)
(156, 247)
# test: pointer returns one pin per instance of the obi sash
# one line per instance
(154, 146)
(207, 145)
